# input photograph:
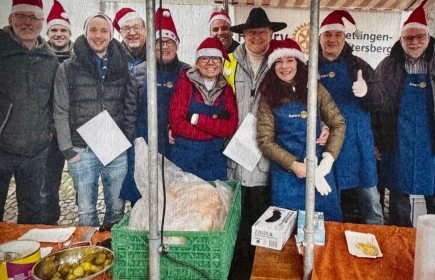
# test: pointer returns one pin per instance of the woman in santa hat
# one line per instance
(203, 113)
(282, 131)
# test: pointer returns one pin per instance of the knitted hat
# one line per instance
(58, 15)
(212, 47)
(168, 26)
(287, 47)
(334, 21)
(417, 19)
(123, 15)
(28, 6)
(222, 15)
(257, 19)
(99, 14)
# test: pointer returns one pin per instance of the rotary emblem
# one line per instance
(302, 36)
(331, 74)
(422, 84)
(304, 114)
(169, 84)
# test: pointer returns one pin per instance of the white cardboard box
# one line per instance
(418, 207)
(319, 227)
(273, 228)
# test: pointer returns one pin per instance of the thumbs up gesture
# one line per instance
(359, 87)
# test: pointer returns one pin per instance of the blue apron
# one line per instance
(411, 170)
(203, 158)
(166, 82)
(356, 163)
(288, 190)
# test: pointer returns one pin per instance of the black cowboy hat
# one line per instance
(257, 19)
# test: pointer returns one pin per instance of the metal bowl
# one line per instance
(72, 255)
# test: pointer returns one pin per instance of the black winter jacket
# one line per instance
(88, 96)
(373, 98)
(391, 72)
(26, 91)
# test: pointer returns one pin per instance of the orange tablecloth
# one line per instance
(10, 231)
(333, 261)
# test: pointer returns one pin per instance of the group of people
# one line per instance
(371, 123)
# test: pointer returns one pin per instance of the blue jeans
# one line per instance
(370, 206)
(85, 174)
(29, 175)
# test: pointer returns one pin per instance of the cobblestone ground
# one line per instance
(68, 207)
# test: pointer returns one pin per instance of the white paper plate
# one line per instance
(353, 238)
(49, 234)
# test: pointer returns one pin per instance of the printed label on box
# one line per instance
(319, 227)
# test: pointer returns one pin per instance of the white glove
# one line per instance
(322, 186)
(359, 86)
(321, 171)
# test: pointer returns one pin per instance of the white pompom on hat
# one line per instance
(34, 6)
(99, 14)
(123, 15)
(417, 19)
(58, 15)
(212, 47)
(334, 22)
(287, 47)
(167, 25)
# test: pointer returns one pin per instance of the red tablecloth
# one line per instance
(333, 260)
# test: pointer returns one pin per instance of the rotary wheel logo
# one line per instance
(302, 36)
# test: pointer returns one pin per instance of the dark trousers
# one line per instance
(53, 178)
(400, 208)
(29, 173)
(255, 201)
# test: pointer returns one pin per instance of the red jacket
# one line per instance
(207, 127)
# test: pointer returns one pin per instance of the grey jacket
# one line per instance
(26, 91)
(247, 95)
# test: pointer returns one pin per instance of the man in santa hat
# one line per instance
(59, 32)
(132, 28)
(59, 39)
(350, 81)
(168, 69)
(95, 80)
(405, 127)
(219, 26)
(27, 70)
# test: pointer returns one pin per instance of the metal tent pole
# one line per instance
(153, 234)
(311, 140)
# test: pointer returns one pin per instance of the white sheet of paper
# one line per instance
(104, 137)
(243, 147)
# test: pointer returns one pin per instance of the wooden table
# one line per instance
(333, 261)
(10, 231)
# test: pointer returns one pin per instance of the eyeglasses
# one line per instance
(410, 39)
(22, 17)
(168, 43)
(206, 59)
(136, 28)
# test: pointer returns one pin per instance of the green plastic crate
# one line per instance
(210, 251)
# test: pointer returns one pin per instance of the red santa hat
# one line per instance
(334, 21)
(417, 19)
(28, 6)
(99, 14)
(222, 15)
(287, 47)
(167, 27)
(58, 15)
(123, 15)
(212, 47)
